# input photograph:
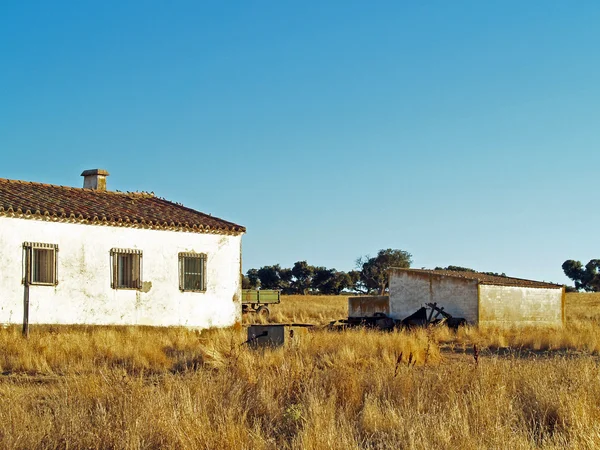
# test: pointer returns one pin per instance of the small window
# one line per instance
(126, 268)
(40, 263)
(192, 272)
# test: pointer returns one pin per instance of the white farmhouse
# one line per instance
(479, 298)
(92, 256)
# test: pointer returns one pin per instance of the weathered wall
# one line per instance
(84, 294)
(411, 290)
(508, 305)
(367, 306)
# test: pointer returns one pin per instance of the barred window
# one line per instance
(40, 263)
(192, 272)
(126, 268)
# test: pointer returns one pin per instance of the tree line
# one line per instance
(370, 276)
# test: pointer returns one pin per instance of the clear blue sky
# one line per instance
(466, 133)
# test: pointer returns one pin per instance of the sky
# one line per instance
(465, 133)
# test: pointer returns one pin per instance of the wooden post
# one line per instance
(26, 310)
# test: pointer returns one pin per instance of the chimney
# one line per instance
(94, 179)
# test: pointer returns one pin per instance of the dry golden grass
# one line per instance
(134, 388)
(315, 309)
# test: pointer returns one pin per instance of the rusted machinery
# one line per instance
(432, 314)
(428, 315)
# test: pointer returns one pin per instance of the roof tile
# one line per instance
(483, 278)
(143, 210)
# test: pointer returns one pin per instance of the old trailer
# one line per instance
(258, 301)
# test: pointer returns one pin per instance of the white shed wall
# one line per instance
(410, 290)
(84, 294)
(509, 305)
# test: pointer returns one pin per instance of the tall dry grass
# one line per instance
(580, 333)
(135, 388)
(314, 309)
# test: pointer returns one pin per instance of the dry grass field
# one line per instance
(146, 388)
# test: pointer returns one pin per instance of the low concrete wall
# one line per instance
(510, 305)
(367, 306)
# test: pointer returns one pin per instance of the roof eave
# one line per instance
(64, 218)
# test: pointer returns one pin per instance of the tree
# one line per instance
(321, 277)
(246, 282)
(586, 278)
(456, 269)
(330, 281)
(373, 271)
(342, 282)
(275, 277)
(252, 279)
(285, 280)
(269, 277)
(466, 269)
(354, 276)
(303, 273)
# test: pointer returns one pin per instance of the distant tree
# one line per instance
(456, 269)
(354, 276)
(496, 274)
(342, 282)
(302, 273)
(275, 277)
(321, 277)
(330, 281)
(373, 271)
(253, 281)
(586, 278)
(285, 280)
(246, 282)
(466, 269)
(269, 277)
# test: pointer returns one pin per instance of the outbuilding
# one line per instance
(481, 299)
(93, 256)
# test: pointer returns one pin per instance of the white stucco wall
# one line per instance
(410, 290)
(508, 306)
(84, 294)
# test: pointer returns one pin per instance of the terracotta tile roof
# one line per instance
(483, 278)
(132, 209)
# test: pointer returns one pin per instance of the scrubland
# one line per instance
(134, 388)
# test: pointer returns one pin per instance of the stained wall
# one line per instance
(84, 294)
(410, 290)
(510, 305)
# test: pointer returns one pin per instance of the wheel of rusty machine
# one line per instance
(263, 311)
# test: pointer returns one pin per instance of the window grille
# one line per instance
(40, 263)
(126, 268)
(192, 272)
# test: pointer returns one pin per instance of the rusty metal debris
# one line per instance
(275, 334)
(428, 315)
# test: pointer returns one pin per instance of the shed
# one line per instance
(481, 299)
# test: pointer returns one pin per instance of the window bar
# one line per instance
(55, 274)
(139, 272)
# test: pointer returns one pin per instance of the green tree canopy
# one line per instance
(330, 281)
(302, 273)
(586, 278)
(466, 269)
(253, 281)
(374, 271)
